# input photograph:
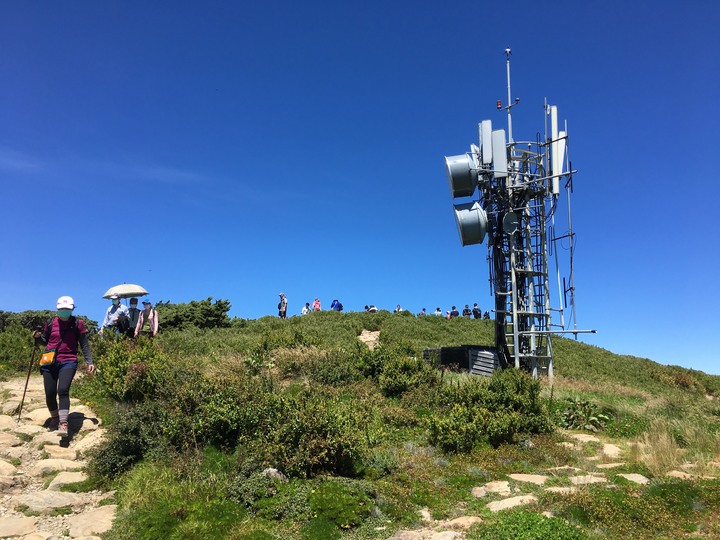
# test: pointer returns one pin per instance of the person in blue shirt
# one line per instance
(116, 316)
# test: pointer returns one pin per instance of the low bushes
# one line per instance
(490, 411)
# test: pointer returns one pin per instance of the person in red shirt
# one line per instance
(64, 334)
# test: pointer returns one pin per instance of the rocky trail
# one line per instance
(35, 462)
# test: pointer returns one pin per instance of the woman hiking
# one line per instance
(63, 334)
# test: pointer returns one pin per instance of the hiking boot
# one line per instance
(53, 425)
(63, 429)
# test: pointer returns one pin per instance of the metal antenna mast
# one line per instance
(519, 187)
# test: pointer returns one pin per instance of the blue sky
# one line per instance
(238, 149)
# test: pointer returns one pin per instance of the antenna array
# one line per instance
(519, 189)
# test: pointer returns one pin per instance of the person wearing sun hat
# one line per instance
(147, 324)
(64, 334)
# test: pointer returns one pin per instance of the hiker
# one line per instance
(476, 311)
(336, 305)
(306, 309)
(370, 309)
(133, 316)
(316, 304)
(63, 334)
(486, 316)
(147, 324)
(116, 316)
(454, 313)
(282, 306)
(422, 313)
(438, 312)
(466, 311)
(398, 309)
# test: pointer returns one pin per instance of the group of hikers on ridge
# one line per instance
(131, 322)
(336, 305)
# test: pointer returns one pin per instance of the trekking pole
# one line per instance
(22, 401)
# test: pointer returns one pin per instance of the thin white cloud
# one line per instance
(13, 160)
(168, 175)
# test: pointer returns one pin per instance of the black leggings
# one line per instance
(57, 380)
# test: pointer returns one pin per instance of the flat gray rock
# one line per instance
(45, 501)
(512, 502)
(582, 437)
(37, 416)
(46, 438)
(60, 452)
(89, 441)
(65, 478)
(9, 439)
(447, 535)
(7, 423)
(587, 479)
(17, 526)
(47, 466)
(611, 450)
(636, 478)
(609, 465)
(7, 469)
(537, 479)
(29, 429)
(9, 407)
(92, 522)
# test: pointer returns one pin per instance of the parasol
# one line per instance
(126, 290)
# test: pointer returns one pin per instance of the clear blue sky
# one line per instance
(240, 149)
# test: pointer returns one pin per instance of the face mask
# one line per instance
(115, 302)
(64, 313)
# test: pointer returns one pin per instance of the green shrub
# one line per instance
(136, 432)
(401, 373)
(216, 412)
(333, 368)
(493, 411)
(16, 348)
(311, 434)
(581, 414)
(131, 371)
(249, 490)
(200, 314)
(527, 525)
(344, 504)
(623, 511)
(627, 425)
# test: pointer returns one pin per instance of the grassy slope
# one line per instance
(673, 410)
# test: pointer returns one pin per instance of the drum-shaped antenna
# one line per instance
(462, 174)
(471, 222)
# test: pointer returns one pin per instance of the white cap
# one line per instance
(65, 302)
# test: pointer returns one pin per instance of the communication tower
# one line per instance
(520, 186)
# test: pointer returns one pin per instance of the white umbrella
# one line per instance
(126, 290)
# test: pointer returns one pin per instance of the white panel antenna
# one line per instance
(500, 164)
(486, 141)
